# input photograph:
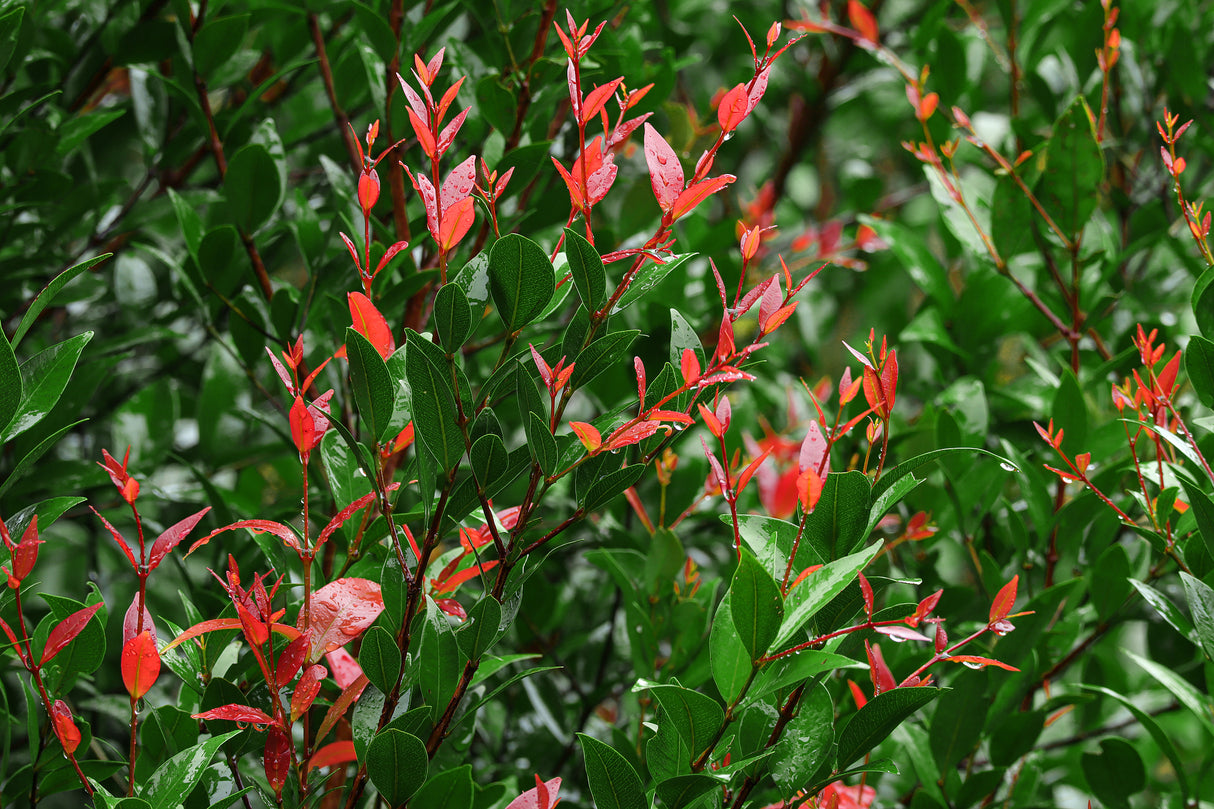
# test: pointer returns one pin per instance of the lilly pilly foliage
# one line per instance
(544, 513)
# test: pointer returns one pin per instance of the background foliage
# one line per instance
(212, 154)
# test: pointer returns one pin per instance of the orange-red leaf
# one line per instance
(65, 727)
(331, 755)
(980, 661)
(236, 713)
(587, 433)
(733, 108)
(457, 220)
(1001, 607)
(862, 20)
(370, 323)
(699, 192)
(665, 171)
(341, 611)
(306, 690)
(140, 664)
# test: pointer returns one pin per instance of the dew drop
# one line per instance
(679, 426)
(1008, 467)
(661, 159)
(972, 665)
(897, 638)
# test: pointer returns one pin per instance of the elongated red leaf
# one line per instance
(598, 97)
(349, 696)
(589, 436)
(283, 532)
(447, 136)
(1004, 599)
(424, 137)
(732, 109)
(126, 549)
(883, 678)
(862, 20)
(306, 690)
(390, 254)
(423, 186)
(277, 758)
(331, 755)
(291, 659)
(66, 631)
(172, 537)
(236, 713)
(65, 726)
(665, 171)
(899, 632)
(975, 660)
(215, 624)
(349, 511)
(370, 323)
(699, 192)
(866, 590)
(341, 611)
(140, 664)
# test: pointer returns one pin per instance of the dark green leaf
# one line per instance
(489, 459)
(613, 782)
(176, 778)
(10, 27)
(601, 355)
(1199, 365)
(1161, 736)
(541, 443)
(452, 317)
(47, 295)
(805, 743)
(816, 591)
(910, 246)
(649, 276)
(252, 187)
(836, 525)
(1181, 688)
(435, 418)
(440, 662)
(1074, 169)
(379, 657)
(43, 378)
(792, 670)
(884, 712)
(76, 131)
(1110, 581)
(521, 280)
(956, 726)
(481, 629)
(28, 460)
(1201, 605)
(450, 790)
(611, 486)
(374, 391)
(683, 790)
(217, 42)
(696, 717)
(756, 605)
(1115, 773)
(396, 763)
(1203, 512)
(586, 267)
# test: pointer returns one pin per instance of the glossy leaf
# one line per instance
(878, 718)
(397, 764)
(695, 716)
(1074, 169)
(374, 390)
(452, 317)
(66, 631)
(452, 788)
(756, 606)
(521, 280)
(613, 782)
(434, 409)
(140, 664)
(586, 267)
(1201, 605)
(180, 774)
(805, 743)
(371, 324)
(44, 299)
(341, 611)
(43, 378)
(817, 590)
(379, 658)
(601, 355)
(252, 187)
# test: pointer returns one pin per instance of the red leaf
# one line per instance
(632, 434)
(866, 590)
(331, 755)
(448, 98)
(140, 664)
(575, 187)
(1167, 377)
(699, 192)
(341, 611)
(639, 367)
(458, 184)
(277, 758)
(1004, 599)
(66, 631)
(303, 428)
(25, 554)
(416, 105)
(117, 538)
(665, 171)
(8, 630)
(127, 486)
(348, 697)
(531, 799)
(711, 421)
(389, 254)
(733, 108)
(449, 132)
(306, 690)
(358, 262)
(130, 621)
(598, 97)
(291, 659)
(65, 727)
(587, 433)
(883, 678)
(236, 713)
(980, 661)
(453, 607)
(424, 137)
(279, 530)
(862, 20)
(370, 323)
(941, 640)
(677, 416)
(457, 220)
(429, 197)
(368, 190)
(172, 537)
(216, 624)
(809, 489)
(447, 584)
(689, 363)
(927, 605)
(750, 470)
(349, 511)
(857, 694)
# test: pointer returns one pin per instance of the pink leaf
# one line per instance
(814, 451)
(449, 132)
(344, 667)
(416, 105)
(531, 798)
(236, 713)
(665, 171)
(423, 186)
(601, 180)
(458, 184)
(130, 621)
(898, 632)
(341, 611)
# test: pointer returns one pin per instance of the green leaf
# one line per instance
(28, 460)
(1069, 410)
(683, 790)
(76, 131)
(601, 355)
(374, 392)
(613, 782)
(1166, 609)
(836, 525)
(817, 590)
(1115, 773)
(48, 294)
(649, 276)
(1201, 604)
(434, 413)
(481, 629)
(1012, 229)
(910, 246)
(782, 674)
(586, 267)
(1161, 737)
(397, 763)
(177, 777)
(1074, 169)
(805, 743)
(756, 605)
(521, 280)
(611, 486)
(695, 716)
(252, 187)
(894, 475)
(379, 658)
(43, 378)
(1110, 581)
(728, 658)
(10, 382)
(217, 42)
(541, 443)
(1199, 365)
(452, 317)
(451, 789)
(10, 27)
(1203, 512)
(956, 726)
(884, 712)
(489, 459)
(1180, 688)
(439, 660)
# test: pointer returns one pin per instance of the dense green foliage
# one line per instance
(677, 471)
